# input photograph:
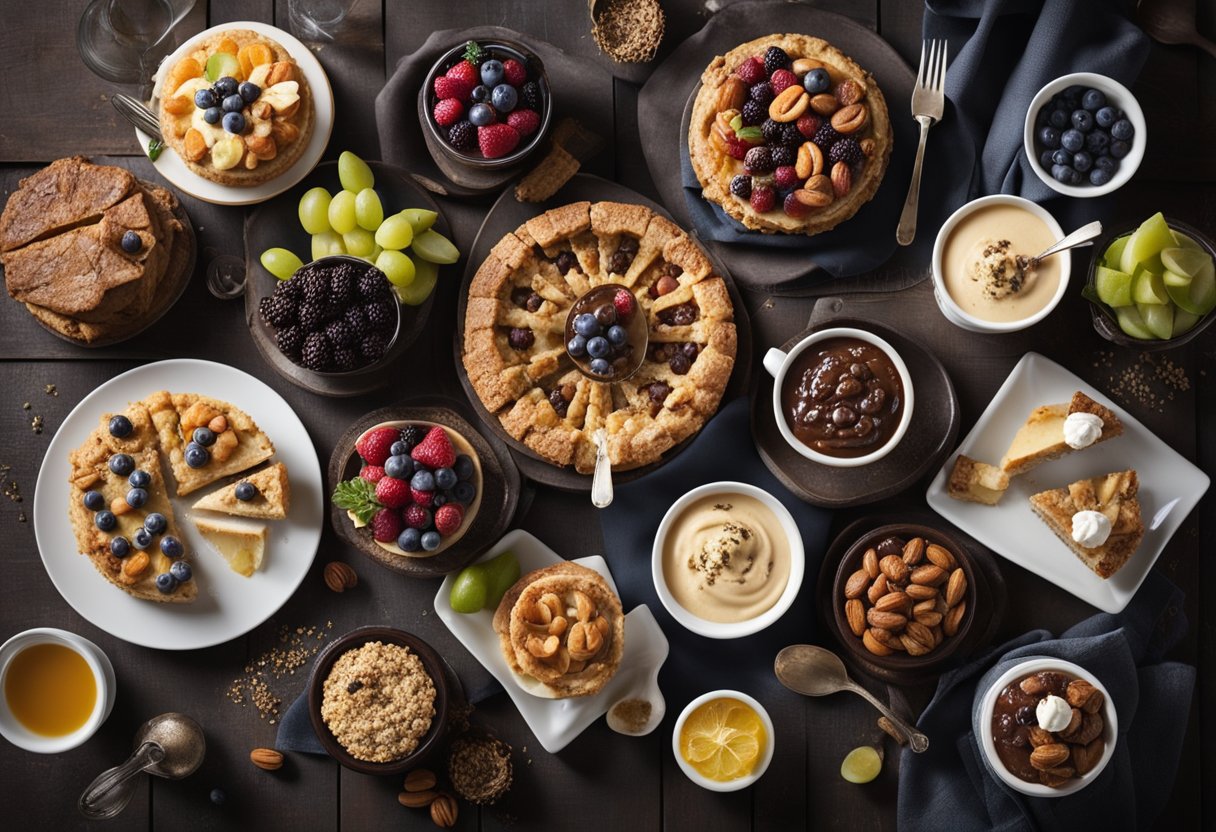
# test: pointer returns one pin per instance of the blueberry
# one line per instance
(423, 481)
(166, 583)
(1119, 148)
(226, 86)
(600, 367)
(181, 571)
(131, 243)
(816, 81)
(464, 492)
(431, 541)
(249, 92)
(137, 497)
(577, 346)
(218, 797)
(445, 478)
(1081, 162)
(491, 72)
(399, 467)
(410, 540)
(171, 547)
(139, 479)
(1062, 174)
(1122, 130)
(234, 122)
(586, 325)
(1083, 120)
(1049, 137)
(233, 104)
(481, 115)
(1099, 177)
(1072, 140)
(204, 98)
(212, 115)
(399, 448)
(120, 426)
(1097, 142)
(1106, 163)
(93, 501)
(245, 491)
(155, 522)
(120, 547)
(122, 464)
(617, 335)
(1061, 157)
(1106, 116)
(1093, 100)
(1045, 158)
(204, 436)
(105, 520)
(598, 347)
(504, 98)
(196, 455)
(142, 538)
(464, 467)
(1058, 119)
(481, 94)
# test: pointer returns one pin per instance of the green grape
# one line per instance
(433, 246)
(314, 211)
(327, 243)
(503, 572)
(469, 590)
(342, 212)
(861, 765)
(425, 275)
(359, 242)
(398, 268)
(376, 249)
(419, 219)
(395, 233)
(368, 211)
(280, 262)
(353, 173)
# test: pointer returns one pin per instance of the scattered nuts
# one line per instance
(914, 549)
(885, 620)
(842, 179)
(855, 614)
(418, 799)
(813, 198)
(856, 584)
(956, 587)
(266, 759)
(1050, 755)
(824, 104)
(790, 104)
(732, 94)
(878, 589)
(808, 163)
(869, 562)
(895, 569)
(850, 92)
(928, 574)
(896, 601)
(419, 780)
(444, 810)
(868, 146)
(940, 556)
(340, 576)
(920, 592)
(802, 66)
(874, 645)
(850, 119)
(135, 565)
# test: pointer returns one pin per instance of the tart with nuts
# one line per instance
(789, 135)
(529, 375)
(236, 109)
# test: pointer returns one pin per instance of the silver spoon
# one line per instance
(601, 480)
(1083, 236)
(813, 671)
(170, 746)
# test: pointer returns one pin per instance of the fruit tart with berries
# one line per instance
(553, 378)
(789, 135)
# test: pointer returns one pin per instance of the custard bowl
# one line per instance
(766, 738)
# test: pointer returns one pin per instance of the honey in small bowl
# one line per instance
(723, 739)
(50, 689)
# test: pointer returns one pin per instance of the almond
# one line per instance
(1051, 755)
(954, 618)
(850, 119)
(824, 104)
(894, 568)
(920, 592)
(263, 147)
(850, 92)
(956, 588)
(1085, 757)
(789, 105)
(893, 602)
(921, 633)
(855, 614)
(929, 619)
(929, 605)
(417, 799)
(266, 759)
(802, 66)
(885, 637)
(914, 549)
(915, 647)
(938, 635)
(940, 556)
(444, 811)
(218, 424)
(1039, 736)
(119, 506)
(856, 584)
(869, 561)
(868, 146)
(874, 645)
(419, 780)
(340, 576)
(842, 179)
(812, 198)
(886, 620)
(810, 163)
(928, 574)
(135, 565)
(732, 94)
(877, 589)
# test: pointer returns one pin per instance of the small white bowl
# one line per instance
(778, 363)
(1110, 729)
(103, 675)
(766, 756)
(1117, 95)
(965, 320)
(732, 629)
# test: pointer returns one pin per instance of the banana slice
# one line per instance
(226, 153)
(259, 74)
(282, 95)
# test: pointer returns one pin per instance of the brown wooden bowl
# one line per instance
(357, 638)
(899, 661)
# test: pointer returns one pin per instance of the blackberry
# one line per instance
(372, 346)
(741, 186)
(783, 155)
(339, 333)
(847, 151)
(529, 93)
(566, 261)
(463, 135)
(290, 340)
(761, 93)
(278, 310)
(356, 323)
(520, 338)
(372, 285)
(316, 354)
(345, 359)
(753, 114)
(316, 285)
(772, 131)
(826, 136)
(759, 160)
(775, 59)
(342, 287)
(293, 289)
(379, 316)
(411, 435)
(791, 136)
(311, 316)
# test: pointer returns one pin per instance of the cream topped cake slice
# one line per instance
(1053, 430)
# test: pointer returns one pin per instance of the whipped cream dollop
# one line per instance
(1053, 713)
(1082, 430)
(1090, 528)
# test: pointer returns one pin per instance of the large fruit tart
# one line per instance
(788, 134)
(515, 339)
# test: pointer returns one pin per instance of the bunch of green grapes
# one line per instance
(352, 222)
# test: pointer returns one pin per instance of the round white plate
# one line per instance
(171, 166)
(228, 605)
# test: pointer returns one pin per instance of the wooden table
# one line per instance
(53, 107)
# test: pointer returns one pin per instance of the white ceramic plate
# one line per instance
(171, 166)
(228, 605)
(556, 722)
(1170, 486)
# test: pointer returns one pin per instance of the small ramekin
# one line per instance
(766, 756)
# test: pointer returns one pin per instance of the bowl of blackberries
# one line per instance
(487, 104)
(335, 316)
(1084, 134)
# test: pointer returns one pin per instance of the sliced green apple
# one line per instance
(1174, 279)
(1132, 324)
(1148, 287)
(1185, 240)
(1203, 291)
(1114, 287)
(1158, 318)
(1146, 242)
(1184, 322)
(1114, 252)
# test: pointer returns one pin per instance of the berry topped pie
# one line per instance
(533, 373)
(788, 134)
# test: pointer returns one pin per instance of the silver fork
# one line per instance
(928, 103)
(136, 112)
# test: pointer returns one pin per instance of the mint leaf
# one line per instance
(750, 134)
(357, 496)
(154, 148)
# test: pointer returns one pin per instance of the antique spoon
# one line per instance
(170, 746)
(1172, 22)
(601, 480)
(1081, 237)
(813, 671)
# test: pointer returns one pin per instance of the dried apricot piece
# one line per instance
(196, 145)
(228, 45)
(254, 54)
(179, 105)
(185, 69)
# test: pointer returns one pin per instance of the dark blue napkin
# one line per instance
(722, 451)
(295, 729)
(1151, 697)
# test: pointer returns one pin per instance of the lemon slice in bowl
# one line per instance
(723, 739)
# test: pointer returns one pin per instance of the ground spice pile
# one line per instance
(296, 646)
(629, 31)
(1152, 382)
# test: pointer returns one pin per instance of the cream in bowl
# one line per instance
(984, 273)
(727, 560)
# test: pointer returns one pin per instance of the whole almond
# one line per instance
(136, 564)
(802, 66)
(920, 592)
(874, 645)
(920, 632)
(938, 635)
(894, 568)
(266, 759)
(893, 602)
(954, 618)
(869, 562)
(340, 576)
(419, 780)
(915, 647)
(956, 588)
(812, 198)
(914, 550)
(877, 589)
(119, 506)
(444, 811)
(418, 799)
(922, 606)
(885, 637)
(789, 105)
(928, 574)
(856, 585)
(824, 104)
(886, 620)
(940, 556)
(842, 179)
(732, 94)
(929, 619)
(850, 92)
(809, 161)
(1049, 756)
(1085, 757)
(855, 614)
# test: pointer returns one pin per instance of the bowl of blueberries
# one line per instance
(1084, 134)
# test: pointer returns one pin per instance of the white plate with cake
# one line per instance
(166, 515)
(1058, 479)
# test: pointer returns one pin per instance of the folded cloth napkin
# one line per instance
(1151, 698)
(722, 451)
(295, 729)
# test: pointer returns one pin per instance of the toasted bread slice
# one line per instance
(271, 501)
(1042, 436)
(1113, 495)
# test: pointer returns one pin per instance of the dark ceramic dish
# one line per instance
(357, 638)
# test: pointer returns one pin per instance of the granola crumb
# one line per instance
(275, 664)
(480, 769)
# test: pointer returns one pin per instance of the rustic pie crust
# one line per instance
(721, 96)
(531, 279)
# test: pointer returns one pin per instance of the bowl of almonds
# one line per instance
(903, 597)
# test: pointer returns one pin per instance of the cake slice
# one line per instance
(976, 482)
(241, 544)
(1114, 497)
(1043, 436)
(238, 446)
(270, 500)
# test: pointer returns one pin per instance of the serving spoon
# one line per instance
(1172, 22)
(813, 671)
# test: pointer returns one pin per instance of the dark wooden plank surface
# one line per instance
(54, 107)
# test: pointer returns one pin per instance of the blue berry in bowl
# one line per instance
(1045, 158)
(1072, 140)
(166, 583)
(139, 479)
(1058, 119)
(816, 81)
(1060, 157)
(245, 491)
(93, 501)
(445, 478)
(232, 104)
(1097, 142)
(249, 92)
(196, 455)
(1098, 176)
(1120, 148)
(1093, 100)
(480, 94)
(204, 436)
(423, 481)
(491, 72)
(137, 497)
(120, 547)
(212, 115)
(399, 448)
(1062, 174)
(234, 122)
(617, 335)
(598, 347)
(1083, 120)
(120, 426)
(105, 520)
(464, 492)
(218, 797)
(1107, 163)
(399, 467)
(1122, 130)
(481, 115)
(1082, 161)
(155, 522)
(171, 547)
(464, 467)
(181, 571)
(410, 540)
(431, 541)
(439, 499)
(1106, 116)
(586, 325)
(226, 86)
(504, 98)
(1049, 137)
(142, 538)
(122, 464)
(577, 346)
(601, 367)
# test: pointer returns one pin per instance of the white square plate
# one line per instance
(555, 722)
(1170, 486)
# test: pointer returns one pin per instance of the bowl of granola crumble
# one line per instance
(378, 700)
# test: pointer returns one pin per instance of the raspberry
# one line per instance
(794, 208)
(448, 112)
(785, 176)
(782, 80)
(763, 199)
(464, 71)
(846, 150)
(741, 186)
(372, 473)
(392, 492)
(783, 155)
(416, 517)
(761, 93)
(422, 498)
(525, 122)
(446, 87)
(624, 303)
(751, 71)
(753, 113)
(435, 450)
(497, 140)
(513, 72)
(448, 518)
(463, 135)
(374, 446)
(775, 59)
(737, 149)
(807, 125)
(758, 160)
(386, 525)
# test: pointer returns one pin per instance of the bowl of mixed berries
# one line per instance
(487, 104)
